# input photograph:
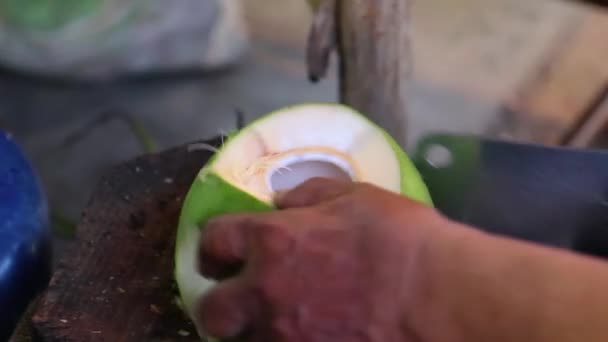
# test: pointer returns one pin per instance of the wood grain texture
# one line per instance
(373, 45)
(559, 95)
(117, 284)
(488, 48)
(591, 130)
(507, 53)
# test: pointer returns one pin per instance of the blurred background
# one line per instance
(87, 84)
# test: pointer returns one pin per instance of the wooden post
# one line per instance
(372, 41)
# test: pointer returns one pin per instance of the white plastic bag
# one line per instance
(102, 39)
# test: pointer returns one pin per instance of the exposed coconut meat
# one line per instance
(333, 141)
(284, 170)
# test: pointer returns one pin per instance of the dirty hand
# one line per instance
(336, 263)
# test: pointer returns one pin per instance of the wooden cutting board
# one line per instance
(117, 283)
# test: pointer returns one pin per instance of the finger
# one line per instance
(312, 192)
(225, 311)
(223, 245)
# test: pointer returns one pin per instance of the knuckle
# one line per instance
(219, 314)
(223, 230)
(341, 206)
(212, 231)
(274, 238)
(210, 239)
(214, 224)
(269, 286)
(213, 313)
(213, 241)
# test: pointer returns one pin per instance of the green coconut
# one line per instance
(277, 152)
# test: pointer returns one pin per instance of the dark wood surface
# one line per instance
(117, 283)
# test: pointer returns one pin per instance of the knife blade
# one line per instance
(550, 195)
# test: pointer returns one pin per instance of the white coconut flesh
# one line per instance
(289, 147)
(278, 152)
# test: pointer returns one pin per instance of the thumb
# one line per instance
(313, 191)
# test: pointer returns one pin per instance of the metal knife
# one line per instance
(549, 195)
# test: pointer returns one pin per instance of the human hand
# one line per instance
(336, 263)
